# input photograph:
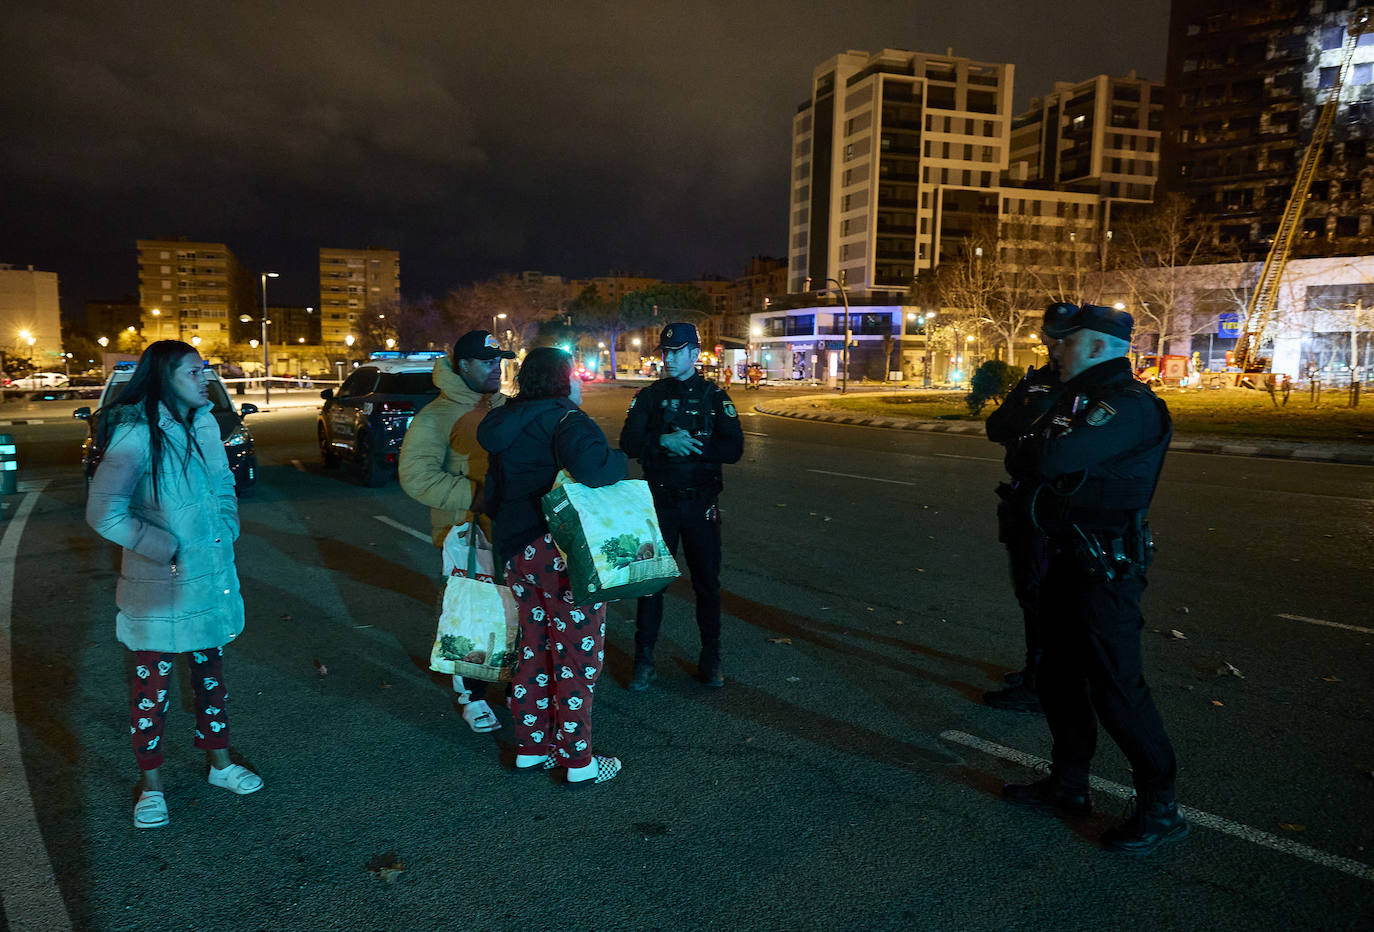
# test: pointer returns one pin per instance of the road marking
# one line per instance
(299, 465)
(27, 887)
(1196, 816)
(406, 529)
(754, 433)
(850, 475)
(1327, 624)
(981, 459)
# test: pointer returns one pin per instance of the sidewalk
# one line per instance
(815, 408)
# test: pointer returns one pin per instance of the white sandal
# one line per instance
(151, 810)
(235, 778)
(480, 717)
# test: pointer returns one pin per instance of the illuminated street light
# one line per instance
(195, 341)
(390, 343)
(1119, 306)
(349, 340)
(103, 341)
(266, 360)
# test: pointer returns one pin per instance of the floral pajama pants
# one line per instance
(149, 703)
(561, 651)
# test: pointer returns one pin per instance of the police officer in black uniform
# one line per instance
(1026, 544)
(682, 429)
(1097, 455)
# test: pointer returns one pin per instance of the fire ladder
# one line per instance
(1260, 308)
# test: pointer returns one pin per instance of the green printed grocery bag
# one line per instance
(479, 622)
(611, 539)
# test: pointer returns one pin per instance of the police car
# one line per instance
(238, 441)
(364, 422)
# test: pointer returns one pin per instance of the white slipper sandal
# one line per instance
(480, 717)
(235, 778)
(151, 810)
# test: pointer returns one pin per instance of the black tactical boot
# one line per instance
(1020, 698)
(1151, 823)
(1051, 793)
(708, 668)
(644, 675)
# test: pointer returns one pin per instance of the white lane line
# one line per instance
(850, 475)
(981, 459)
(1327, 624)
(27, 886)
(754, 433)
(404, 528)
(299, 465)
(1196, 816)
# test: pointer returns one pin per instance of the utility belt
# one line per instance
(1110, 555)
(667, 494)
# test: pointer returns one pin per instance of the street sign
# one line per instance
(1228, 325)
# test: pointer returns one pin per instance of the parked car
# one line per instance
(39, 380)
(364, 422)
(238, 441)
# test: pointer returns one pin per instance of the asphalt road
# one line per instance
(835, 783)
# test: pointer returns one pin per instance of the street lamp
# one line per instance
(924, 321)
(495, 318)
(844, 297)
(266, 360)
(104, 342)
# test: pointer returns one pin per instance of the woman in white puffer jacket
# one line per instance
(165, 494)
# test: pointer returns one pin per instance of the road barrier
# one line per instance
(9, 465)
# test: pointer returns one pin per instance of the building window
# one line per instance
(1362, 73)
(1333, 37)
(849, 151)
(1327, 78)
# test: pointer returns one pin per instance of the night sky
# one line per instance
(477, 138)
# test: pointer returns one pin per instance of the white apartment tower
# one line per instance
(888, 147)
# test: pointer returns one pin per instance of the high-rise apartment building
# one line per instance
(30, 320)
(884, 146)
(1247, 82)
(354, 282)
(191, 291)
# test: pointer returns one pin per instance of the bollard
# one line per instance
(9, 466)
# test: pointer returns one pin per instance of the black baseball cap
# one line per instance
(676, 336)
(1106, 320)
(1056, 314)
(479, 344)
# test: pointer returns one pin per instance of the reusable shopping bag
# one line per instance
(610, 538)
(479, 621)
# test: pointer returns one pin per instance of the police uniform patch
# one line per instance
(1099, 414)
(729, 408)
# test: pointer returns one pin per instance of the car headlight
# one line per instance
(237, 439)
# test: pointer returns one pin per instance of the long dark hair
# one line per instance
(149, 387)
(545, 373)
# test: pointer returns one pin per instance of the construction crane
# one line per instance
(1260, 308)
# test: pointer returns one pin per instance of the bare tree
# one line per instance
(508, 307)
(1152, 246)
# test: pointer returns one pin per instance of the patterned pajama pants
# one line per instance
(148, 711)
(561, 653)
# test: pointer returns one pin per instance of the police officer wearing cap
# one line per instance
(1026, 544)
(682, 429)
(1097, 453)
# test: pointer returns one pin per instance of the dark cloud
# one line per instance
(477, 138)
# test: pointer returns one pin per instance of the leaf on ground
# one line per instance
(1292, 827)
(385, 685)
(919, 570)
(387, 867)
(899, 622)
(1183, 609)
(1331, 679)
(320, 668)
(779, 640)
(1177, 634)
(1228, 669)
(286, 618)
(1218, 702)
(794, 679)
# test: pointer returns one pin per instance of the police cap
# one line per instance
(1106, 320)
(678, 335)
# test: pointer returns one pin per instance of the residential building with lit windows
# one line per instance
(354, 282)
(1247, 84)
(191, 291)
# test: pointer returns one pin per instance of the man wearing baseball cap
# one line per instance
(682, 428)
(1095, 457)
(443, 466)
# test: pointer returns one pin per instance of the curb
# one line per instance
(1344, 454)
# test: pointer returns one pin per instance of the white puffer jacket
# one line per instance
(194, 602)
